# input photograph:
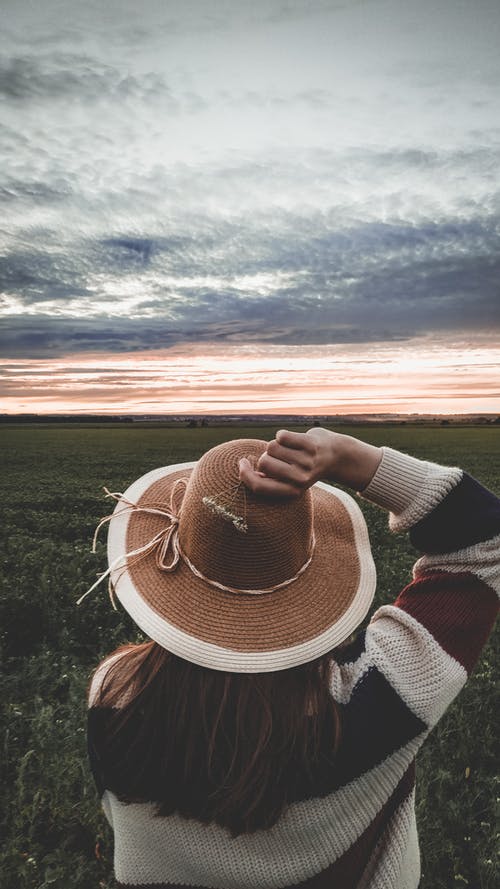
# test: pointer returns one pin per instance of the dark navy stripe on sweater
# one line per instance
(469, 514)
(376, 722)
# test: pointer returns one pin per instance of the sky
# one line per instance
(222, 207)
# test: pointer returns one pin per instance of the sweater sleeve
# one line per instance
(427, 642)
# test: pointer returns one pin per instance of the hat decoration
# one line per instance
(232, 580)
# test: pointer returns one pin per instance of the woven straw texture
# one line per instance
(273, 549)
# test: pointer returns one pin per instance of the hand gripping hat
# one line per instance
(236, 581)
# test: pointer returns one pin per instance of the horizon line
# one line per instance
(238, 414)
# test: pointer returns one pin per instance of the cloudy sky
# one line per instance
(224, 205)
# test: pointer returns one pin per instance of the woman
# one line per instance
(254, 742)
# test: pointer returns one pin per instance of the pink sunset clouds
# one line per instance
(419, 376)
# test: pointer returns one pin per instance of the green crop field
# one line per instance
(54, 833)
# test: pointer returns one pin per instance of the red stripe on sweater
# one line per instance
(348, 869)
(457, 608)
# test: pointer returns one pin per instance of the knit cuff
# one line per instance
(409, 488)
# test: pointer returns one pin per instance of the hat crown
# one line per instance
(235, 537)
(194, 581)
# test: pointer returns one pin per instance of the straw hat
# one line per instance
(235, 581)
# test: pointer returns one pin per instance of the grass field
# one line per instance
(54, 833)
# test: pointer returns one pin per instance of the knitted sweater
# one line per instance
(393, 685)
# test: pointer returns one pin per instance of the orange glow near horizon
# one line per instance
(420, 376)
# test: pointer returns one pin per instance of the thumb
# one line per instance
(247, 471)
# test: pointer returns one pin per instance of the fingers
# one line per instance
(291, 456)
(282, 470)
(294, 448)
(295, 440)
(262, 484)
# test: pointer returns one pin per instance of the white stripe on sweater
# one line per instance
(425, 676)
(482, 559)
(309, 837)
(346, 676)
(409, 488)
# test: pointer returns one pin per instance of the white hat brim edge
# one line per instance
(206, 654)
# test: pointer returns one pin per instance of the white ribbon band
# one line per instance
(169, 537)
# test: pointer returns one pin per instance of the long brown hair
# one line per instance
(229, 748)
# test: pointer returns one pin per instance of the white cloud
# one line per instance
(278, 172)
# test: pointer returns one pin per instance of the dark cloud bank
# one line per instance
(373, 282)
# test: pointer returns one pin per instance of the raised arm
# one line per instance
(426, 643)
(295, 460)
(429, 640)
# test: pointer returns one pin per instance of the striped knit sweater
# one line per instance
(393, 684)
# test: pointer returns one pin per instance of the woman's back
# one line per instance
(220, 747)
(346, 793)
(336, 811)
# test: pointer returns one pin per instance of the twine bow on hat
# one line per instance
(163, 543)
(232, 580)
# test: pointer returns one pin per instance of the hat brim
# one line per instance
(250, 634)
